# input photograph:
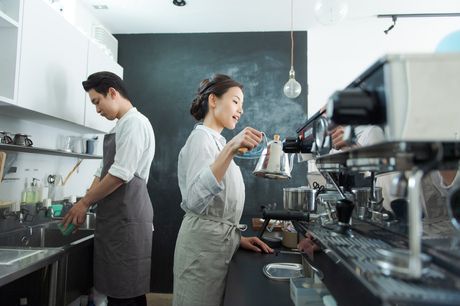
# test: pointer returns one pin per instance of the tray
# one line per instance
(283, 271)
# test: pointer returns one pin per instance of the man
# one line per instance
(123, 236)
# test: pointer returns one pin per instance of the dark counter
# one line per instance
(247, 285)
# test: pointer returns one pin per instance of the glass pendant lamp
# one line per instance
(292, 88)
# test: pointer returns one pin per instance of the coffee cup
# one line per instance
(5, 138)
(22, 140)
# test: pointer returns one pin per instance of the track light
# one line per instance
(179, 2)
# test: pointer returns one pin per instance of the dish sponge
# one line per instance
(66, 231)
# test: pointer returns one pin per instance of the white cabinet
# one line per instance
(53, 64)
(98, 60)
(9, 38)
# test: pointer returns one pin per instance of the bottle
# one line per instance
(36, 191)
(24, 191)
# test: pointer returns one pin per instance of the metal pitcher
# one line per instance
(273, 162)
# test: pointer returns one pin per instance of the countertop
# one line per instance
(9, 273)
(248, 286)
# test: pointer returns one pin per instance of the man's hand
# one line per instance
(255, 244)
(77, 214)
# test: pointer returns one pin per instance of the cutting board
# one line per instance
(2, 164)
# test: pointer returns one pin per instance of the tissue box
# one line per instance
(304, 291)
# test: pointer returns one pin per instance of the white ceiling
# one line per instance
(161, 16)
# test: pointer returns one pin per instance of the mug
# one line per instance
(5, 138)
(22, 140)
(90, 145)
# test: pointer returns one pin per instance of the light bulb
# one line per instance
(329, 12)
(292, 88)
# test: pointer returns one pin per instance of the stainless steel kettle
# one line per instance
(273, 162)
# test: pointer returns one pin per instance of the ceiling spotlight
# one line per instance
(179, 2)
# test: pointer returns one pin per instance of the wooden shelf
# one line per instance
(35, 150)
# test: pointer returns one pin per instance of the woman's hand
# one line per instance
(248, 138)
(255, 244)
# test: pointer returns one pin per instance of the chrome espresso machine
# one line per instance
(415, 100)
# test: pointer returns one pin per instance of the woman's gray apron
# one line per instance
(123, 235)
(205, 246)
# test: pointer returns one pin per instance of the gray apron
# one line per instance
(123, 236)
(205, 245)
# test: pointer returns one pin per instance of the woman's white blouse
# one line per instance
(201, 193)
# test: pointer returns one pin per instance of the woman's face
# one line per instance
(228, 109)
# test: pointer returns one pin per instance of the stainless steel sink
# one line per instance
(10, 256)
(46, 235)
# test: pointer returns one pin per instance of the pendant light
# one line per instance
(292, 88)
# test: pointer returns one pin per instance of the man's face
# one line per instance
(106, 106)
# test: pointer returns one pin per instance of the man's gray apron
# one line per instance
(123, 235)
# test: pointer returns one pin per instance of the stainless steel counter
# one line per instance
(18, 269)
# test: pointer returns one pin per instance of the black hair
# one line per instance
(102, 81)
(218, 85)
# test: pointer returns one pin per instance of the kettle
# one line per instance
(273, 162)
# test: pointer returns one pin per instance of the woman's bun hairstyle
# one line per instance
(218, 85)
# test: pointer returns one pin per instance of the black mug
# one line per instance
(5, 138)
(22, 140)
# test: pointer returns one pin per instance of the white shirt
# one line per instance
(201, 193)
(135, 147)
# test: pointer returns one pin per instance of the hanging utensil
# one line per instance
(72, 171)
(2, 164)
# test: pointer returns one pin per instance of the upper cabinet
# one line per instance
(10, 12)
(43, 61)
(53, 64)
(98, 60)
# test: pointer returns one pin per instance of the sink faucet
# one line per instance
(21, 215)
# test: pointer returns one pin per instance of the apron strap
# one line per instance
(240, 227)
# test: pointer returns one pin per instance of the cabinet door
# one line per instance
(53, 64)
(99, 61)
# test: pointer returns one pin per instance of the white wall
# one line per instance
(338, 54)
(40, 166)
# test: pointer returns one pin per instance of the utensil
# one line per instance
(300, 198)
(273, 162)
(2, 164)
(22, 140)
(5, 138)
(72, 171)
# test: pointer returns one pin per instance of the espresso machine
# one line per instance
(415, 100)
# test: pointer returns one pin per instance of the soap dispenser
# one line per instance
(24, 191)
(36, 190)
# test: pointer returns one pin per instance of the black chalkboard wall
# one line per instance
(162, 72)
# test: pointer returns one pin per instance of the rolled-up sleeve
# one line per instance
(199, 182)
(130, 145)
(99, 170)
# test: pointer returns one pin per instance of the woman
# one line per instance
(212, 191)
